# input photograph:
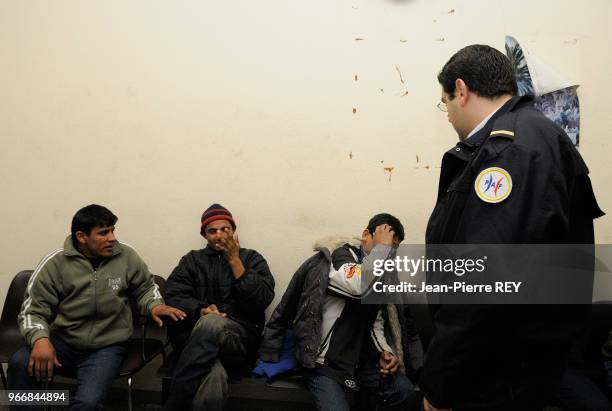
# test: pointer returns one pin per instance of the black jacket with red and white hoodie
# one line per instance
(331, 326)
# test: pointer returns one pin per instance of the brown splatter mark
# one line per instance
(427, 167)
(417, 156)
(381, 161)
(400, 74)
(405, 93)
(440, 39)
(381, 90)
(356, 77)
(354, 110)
(351, 155)
(358, 39)
(451, 11)
(403, 41)
(389, 170)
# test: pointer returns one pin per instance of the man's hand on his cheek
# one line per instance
(230, 247)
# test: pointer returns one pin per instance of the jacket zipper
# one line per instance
(94, 303)
(95, 300)
(327, 339)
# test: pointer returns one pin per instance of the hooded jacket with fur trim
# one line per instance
(301, 308)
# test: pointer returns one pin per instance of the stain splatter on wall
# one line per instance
(389, 170)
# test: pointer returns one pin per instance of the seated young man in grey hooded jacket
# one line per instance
(76, 316)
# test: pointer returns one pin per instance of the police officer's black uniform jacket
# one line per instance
(495, 357)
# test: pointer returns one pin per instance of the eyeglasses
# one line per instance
(442, 107)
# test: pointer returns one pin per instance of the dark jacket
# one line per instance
(301, 309)
(490, 357)
(204, 277)
(552, 200)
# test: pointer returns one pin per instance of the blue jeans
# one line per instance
(330, 395)
(95, 371)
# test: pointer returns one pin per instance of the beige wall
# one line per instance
(159, 108)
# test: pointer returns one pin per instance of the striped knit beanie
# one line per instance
(216, 212)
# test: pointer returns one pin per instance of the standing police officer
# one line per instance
(513, 178)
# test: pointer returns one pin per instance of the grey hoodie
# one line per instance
(85, 307)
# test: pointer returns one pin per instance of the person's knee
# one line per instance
(211, 324)
(232, 344)
(20, 359)
(18, 366)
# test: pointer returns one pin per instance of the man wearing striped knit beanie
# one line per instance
(224, 289)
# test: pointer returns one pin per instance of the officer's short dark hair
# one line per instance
(385, 218)
(485, 70)
(90, 217)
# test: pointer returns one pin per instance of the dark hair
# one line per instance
(90, 217)
(485, 70)
(385, 218)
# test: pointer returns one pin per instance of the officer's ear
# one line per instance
(461, 92)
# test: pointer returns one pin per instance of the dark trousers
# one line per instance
(391, 393)
(200, 379)
(95, 371)
(578, 392)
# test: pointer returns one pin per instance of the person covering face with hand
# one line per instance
(345, 344)
(224, 289)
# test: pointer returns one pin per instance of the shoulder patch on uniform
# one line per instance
(493, 185)
(502, 133)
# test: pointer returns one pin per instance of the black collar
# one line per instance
(211, 251)
(464, 149)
